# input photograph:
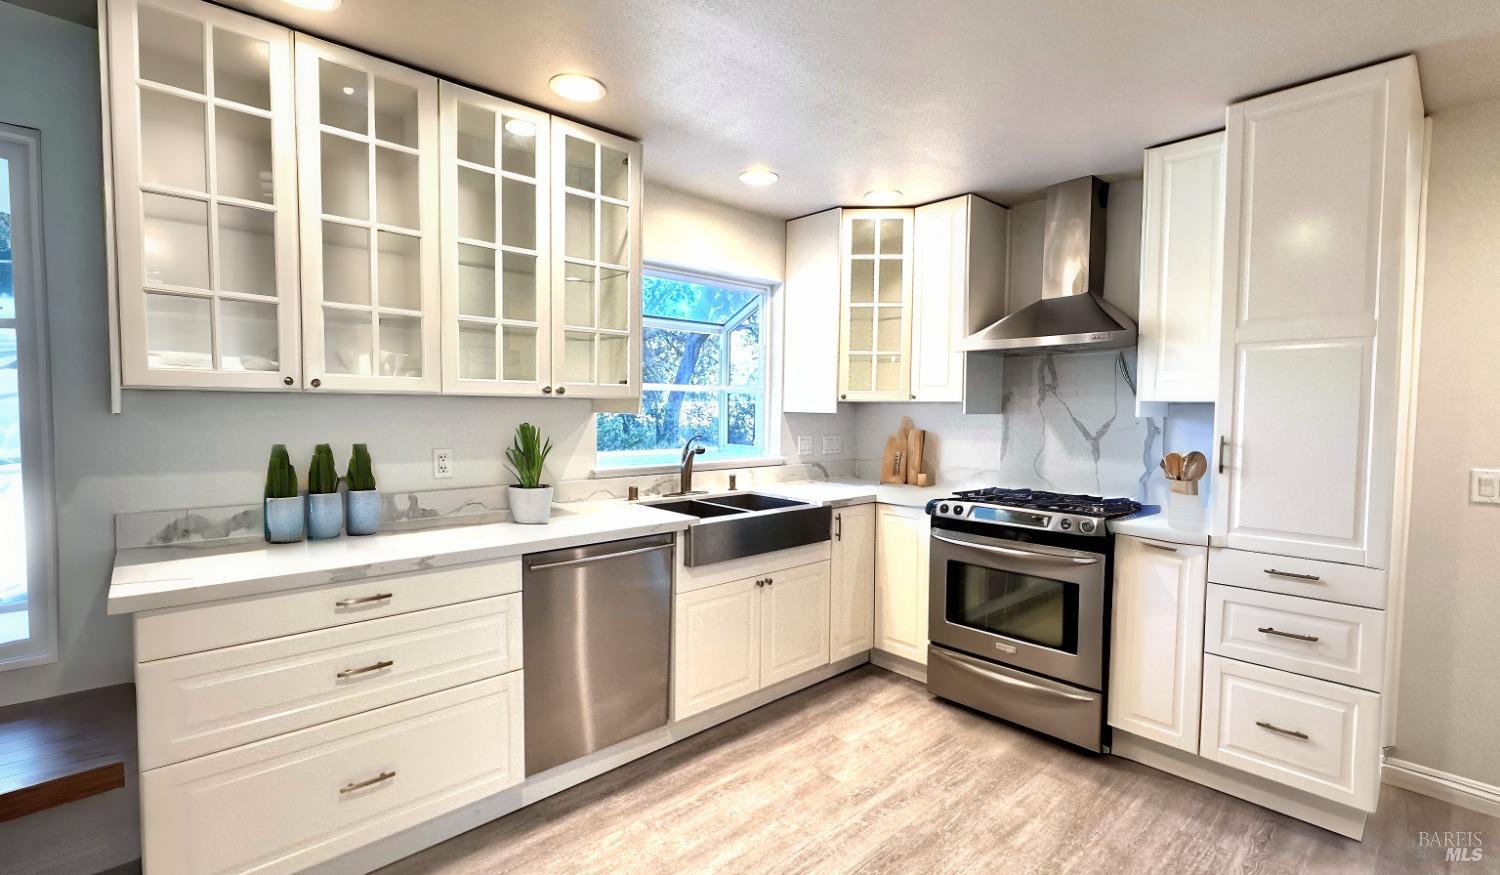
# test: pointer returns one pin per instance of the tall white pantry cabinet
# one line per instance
(291, 215)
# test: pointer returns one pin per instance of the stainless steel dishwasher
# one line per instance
(597, 634)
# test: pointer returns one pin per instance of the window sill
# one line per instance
(721, 465)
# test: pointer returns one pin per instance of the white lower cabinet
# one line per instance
(901, 552)
(852, 587)
(299, 799)
(1156, 652)
(735, 638)
(1316, 736)
(1325, 640)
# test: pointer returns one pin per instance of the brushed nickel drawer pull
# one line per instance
(384, 663)
(1274, 728)
(1162, 547)
(1311, 578)
(364, 600)
(1271, 630)
(368, 782)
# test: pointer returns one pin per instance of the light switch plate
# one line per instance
(1484, 486)
(442, 464)
(804, 445)
(832, 444)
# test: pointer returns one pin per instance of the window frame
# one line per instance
(768, 418)
(20, 147)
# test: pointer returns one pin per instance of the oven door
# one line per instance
(1031, 606)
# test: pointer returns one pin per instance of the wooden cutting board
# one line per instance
(916, 439)
(893, 463)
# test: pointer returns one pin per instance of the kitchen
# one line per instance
(421, 245)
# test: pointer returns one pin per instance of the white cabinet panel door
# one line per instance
(367, 168)
(1319, 254)
(852, 599)
(205, 191)
(810, 313)
(793, 622)
(1182, 243)
(901, 552)
(1156, 656)
(875, 329)
(717, 644)
(939, 291)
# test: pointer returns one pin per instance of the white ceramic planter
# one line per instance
(531, 506)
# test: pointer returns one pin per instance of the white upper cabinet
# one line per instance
(368, 169)
(875, 319)
(811, 313)
(496, 262)
(1321, 201)
(596, 263)
(1182, 244)
(959, 287)
(205, 197)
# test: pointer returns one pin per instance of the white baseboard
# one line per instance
(900, 665)
(553, 781)
(1460, 791)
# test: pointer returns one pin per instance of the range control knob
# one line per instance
(1086, 526)
(1065, 525)
(958, 510)
(942, 508)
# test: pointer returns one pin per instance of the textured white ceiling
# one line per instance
(999, 97)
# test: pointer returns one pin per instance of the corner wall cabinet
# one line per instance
(205, 196)
(875, 319)
(811, 308)
(1182, 245)
(292, 214)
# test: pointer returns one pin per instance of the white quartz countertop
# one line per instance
(147, 578)
(1152, 523)
(835, 493)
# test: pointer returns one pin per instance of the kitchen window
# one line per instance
(703, 359)
(28, 624)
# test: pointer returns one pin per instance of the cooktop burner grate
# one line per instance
(1059, 502)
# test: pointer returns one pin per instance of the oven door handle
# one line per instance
(1042, 558)
(1017, 682)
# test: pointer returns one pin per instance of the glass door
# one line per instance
(205, 188)
(367, 161)
(875, 360)
(596, 280)
(495, 268)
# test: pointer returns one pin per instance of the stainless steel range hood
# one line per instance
(1072, 314)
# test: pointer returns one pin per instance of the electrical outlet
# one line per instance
(1484, 486)
(832, 444)
(804, 445)
(442, 464)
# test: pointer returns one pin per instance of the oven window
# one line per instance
(1038, 610)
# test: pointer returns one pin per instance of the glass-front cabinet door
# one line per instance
(596, 263)
(205, 197)
(875, 323)
(496, 163)
(367, 134)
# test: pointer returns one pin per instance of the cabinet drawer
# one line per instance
(211, 701)
(1331, 641)
(1315, 736)
(1309, 578)
(175, 631)
(285, 804)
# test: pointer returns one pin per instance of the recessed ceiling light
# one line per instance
(576, 86)
(316, 5)
(348, 90)
(760, 177)
(882, 196)
(520, 127)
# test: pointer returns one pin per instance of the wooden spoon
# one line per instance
(1194, 466)
(1172, 464)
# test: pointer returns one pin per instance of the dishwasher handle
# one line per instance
(589, 560)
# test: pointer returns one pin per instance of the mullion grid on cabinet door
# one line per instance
(600, 265)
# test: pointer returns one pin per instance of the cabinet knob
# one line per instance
(770, 580)
(287, 381)
(546, 390)
(913, 397)
(316, 382)
(843, 397)
(761, 582)
(562, 390)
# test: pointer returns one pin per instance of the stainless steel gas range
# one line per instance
(1020, 595)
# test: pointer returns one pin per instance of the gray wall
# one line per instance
(1448, 714)
(177, 448)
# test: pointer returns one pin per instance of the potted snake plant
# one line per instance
(361, 498)
(284, 507)
(325, 510)
(530, 498)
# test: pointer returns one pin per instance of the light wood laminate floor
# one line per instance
(868, 773)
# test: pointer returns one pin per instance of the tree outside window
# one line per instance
(703, 374)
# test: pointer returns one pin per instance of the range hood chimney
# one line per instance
(1072, 314)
